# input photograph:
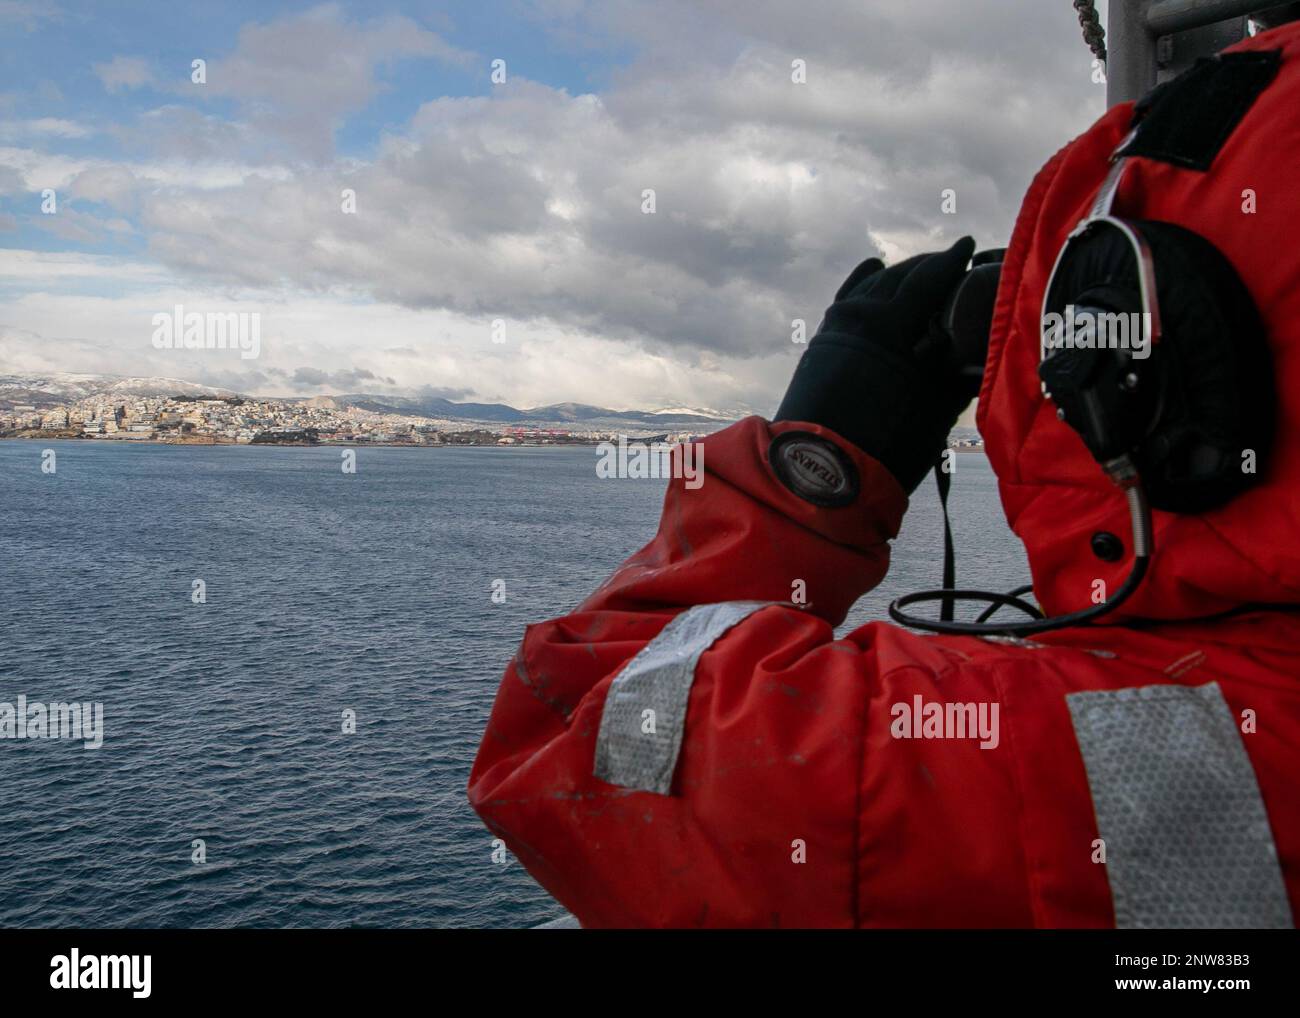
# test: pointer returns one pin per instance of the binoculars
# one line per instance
(968, 315)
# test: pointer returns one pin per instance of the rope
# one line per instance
(1093, 34)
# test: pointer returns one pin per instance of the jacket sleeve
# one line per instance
(762, 760)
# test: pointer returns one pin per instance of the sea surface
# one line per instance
(325, 592)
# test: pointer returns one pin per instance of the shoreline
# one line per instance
(593, 443)
(87, 440)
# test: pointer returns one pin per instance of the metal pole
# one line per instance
(1165, 17)
(1130, 51)
(1150, 41)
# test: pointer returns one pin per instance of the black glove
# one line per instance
(878, 371)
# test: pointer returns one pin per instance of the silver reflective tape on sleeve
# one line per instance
(1187, 838)
(639, 750)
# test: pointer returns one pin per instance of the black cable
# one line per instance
(995, 600)
(944, 481)
(1017, 592)
(1038, 625)
(1143, 548)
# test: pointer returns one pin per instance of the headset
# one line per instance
(1167, 413)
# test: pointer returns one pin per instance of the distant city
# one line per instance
(216, 420)
(172, 411)
(178, 412)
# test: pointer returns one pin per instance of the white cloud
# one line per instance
(48, 329)
(35, 170)
(124, 73)
(298, 77)
(42, 127)
(525, 204)
(28, 14)
(40, 269)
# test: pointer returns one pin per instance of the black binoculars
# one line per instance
(968, 315)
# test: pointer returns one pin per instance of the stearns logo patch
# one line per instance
(815, 469)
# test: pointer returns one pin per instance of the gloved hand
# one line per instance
(878, 373)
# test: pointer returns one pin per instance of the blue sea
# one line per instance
(325, 592)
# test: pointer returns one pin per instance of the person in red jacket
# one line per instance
(692, 747)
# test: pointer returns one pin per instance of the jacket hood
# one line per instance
(1054, 493)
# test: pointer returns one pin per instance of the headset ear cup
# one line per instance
(1097, 273)
(1218, 400)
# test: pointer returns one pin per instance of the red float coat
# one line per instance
(1146, 772)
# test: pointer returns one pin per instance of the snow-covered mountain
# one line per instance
(58, 388)
(554, 415)
(55, 389)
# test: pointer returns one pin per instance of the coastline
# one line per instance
(207, 442)
(228, 443)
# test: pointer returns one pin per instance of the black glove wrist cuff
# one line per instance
(881, 401)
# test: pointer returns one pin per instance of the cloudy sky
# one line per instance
(517, 200)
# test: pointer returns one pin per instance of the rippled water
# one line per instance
(325, 592)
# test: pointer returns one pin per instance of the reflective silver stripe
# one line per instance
(1188, 843)
(659, 678)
